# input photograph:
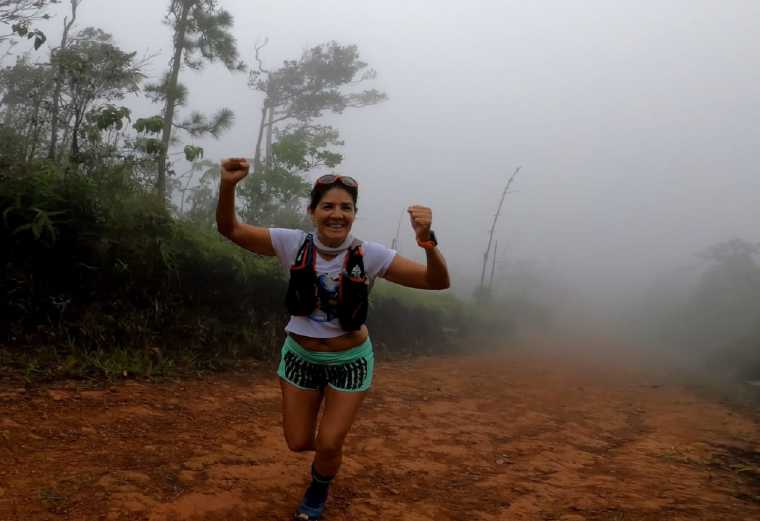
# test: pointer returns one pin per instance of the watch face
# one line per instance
(433, 237)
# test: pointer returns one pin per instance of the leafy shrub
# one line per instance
(100, 279)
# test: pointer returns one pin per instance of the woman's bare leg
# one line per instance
(299, 416)
(340, 412)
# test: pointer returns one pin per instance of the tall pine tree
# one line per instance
(201, 34)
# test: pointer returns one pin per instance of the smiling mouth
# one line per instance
(336, 226)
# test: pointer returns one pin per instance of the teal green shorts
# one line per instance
(348, 371)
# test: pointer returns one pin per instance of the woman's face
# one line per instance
(333, 216)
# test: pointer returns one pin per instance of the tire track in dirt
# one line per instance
(538, 432)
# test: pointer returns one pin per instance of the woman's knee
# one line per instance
(329, 445)
(299, 444)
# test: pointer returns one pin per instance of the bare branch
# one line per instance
(257, 49)
(493, 227)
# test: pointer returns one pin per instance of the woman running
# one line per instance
(327, 355)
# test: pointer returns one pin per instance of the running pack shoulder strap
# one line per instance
(301, 299)
(353, 293)
(353, 289)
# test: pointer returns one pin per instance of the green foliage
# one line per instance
(92, 70)
(112, 285)
(726, 302)
(443, 301)
(110, 116)
(23, 30)
(192, 152)
(198, 124)
(163, 90)
(203, 196)
(20, 15)
(296, 95)
(69, 102)
(153, 125)
(23, 80)
(274, 197)
(25, 91)
(432, 321)
(150, 146)
(206, 30)
(716, 320)
(42, 222)
(423, 322)
(305, 148)
(201, 33)
(123, 278)
(31, 209)
(304, 89)
(100, 278)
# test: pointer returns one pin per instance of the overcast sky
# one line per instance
(637, 124)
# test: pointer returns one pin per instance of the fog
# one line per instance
(635, 124)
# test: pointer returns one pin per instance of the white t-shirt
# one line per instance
(323, 322)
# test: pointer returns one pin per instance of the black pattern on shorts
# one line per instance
(349, 376)
(303, 373)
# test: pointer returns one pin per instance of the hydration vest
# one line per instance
(353, 289)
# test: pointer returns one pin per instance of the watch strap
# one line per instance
(429, 244)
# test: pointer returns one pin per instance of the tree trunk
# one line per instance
(57, 90)
(493, 228)
(171, 95)
(27, 133)
(66, 132)
(485, 262)
(493, 266)
(35, 127)
(78, 118)
(257, 153)
(270, 127)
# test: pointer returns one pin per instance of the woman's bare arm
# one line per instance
(254, 238)
(415, 275)
(433, 275)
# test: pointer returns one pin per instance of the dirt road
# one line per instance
(538, 432)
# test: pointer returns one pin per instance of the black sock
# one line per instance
(316, 494)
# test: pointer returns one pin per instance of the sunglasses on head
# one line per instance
(332, 179)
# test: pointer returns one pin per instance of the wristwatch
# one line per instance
(429, 244)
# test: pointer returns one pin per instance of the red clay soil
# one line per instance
(536, 432)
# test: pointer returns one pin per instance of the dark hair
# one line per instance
(319, 191)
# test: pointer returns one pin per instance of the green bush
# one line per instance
(101, 280)
(405, 320)
(96, 266)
